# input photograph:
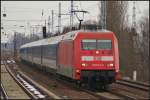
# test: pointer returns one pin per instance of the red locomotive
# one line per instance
(84, 56)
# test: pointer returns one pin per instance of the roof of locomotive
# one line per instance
(68, 36)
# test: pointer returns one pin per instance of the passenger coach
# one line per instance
(84, 56)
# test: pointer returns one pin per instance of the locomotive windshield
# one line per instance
(104, 44)
(93, 44)
(88, 44)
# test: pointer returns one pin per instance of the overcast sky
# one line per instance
(26, 12)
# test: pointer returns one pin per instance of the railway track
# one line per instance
(120, 93)
(109, 94)
(30, 89)
(67, 88)
(132, 89)
(10, 87)
(3, 93)
(106, 94)
(134, 84)
(116, 93)
(39, 86)
(100, 95)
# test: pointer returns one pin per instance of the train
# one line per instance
(84, 56)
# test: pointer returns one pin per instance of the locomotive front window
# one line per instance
(88, 44)
(104, 44)
(93, 44)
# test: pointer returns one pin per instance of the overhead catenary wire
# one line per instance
(25, 9)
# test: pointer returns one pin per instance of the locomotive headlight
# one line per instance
(77, 71)
(117, 70)
(110, 65)
(83, 64)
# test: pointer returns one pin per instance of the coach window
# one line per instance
(104, 44)
(88, 44)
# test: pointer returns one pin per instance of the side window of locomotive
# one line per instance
(104, 44)
(88, 44)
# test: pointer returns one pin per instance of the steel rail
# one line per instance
(96, 94)
(133, 85)
(136, 82)
(124, 96)
(41, 88)
(4, 94)
(36, 85)
(103, 97)
(19, 83)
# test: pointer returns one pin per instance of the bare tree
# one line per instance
(142, 49)
(133, 47)
(115, 21)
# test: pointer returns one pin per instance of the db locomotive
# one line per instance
(83, 56)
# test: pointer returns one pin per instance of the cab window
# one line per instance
(93, 44)
(88, 44)
(104, 44)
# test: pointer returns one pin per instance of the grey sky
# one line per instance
(32, 10)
